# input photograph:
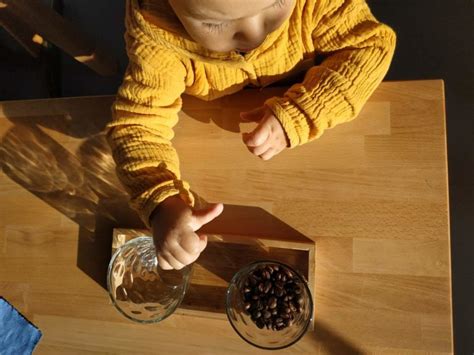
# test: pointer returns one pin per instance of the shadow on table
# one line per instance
(221, 112)
(83, 187)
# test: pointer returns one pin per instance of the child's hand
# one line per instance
(268, 139)
(174, 232)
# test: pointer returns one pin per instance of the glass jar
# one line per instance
(242, 310)
(139, 288)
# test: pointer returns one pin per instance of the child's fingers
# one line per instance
(270, 153)
(204, 216)
(258, 136)
(190, 243)
(181, 255)
(175, 264)
(253, 115)
(202, 242)
(163, 263)
(261, 148)
(187, 257)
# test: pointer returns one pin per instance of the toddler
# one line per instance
(211, 48)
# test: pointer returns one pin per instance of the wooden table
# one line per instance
(372, 194)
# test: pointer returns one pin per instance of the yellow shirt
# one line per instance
(163, 65)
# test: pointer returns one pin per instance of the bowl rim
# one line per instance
(311, 303)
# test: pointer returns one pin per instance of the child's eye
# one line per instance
(214, 27)
(280, 3)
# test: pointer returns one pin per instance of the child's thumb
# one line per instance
(204, 216)
(253, 115)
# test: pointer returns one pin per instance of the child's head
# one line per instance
(226, 25)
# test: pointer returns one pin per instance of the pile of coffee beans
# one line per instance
(272, 297)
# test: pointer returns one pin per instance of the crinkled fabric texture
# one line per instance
(355, 52)
(17, 335)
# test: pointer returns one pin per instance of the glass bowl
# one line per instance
(239, 297)
(139, 288)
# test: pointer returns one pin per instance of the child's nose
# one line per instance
(251, 32)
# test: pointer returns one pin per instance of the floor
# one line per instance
(435, 40)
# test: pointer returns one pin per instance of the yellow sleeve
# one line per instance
(358, 52)
(144, 113)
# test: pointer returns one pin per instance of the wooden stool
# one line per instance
(29, 21)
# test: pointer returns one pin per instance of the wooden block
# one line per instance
(225, 254)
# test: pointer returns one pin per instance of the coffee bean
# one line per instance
(267, 314)
(272, 303)
(255, 297)
(268, 286)
(260, 323)
(247, 305)
(274, 312)
(300, 300)
(247, 290)
(261, 287)
(256, 314)
(255, 281)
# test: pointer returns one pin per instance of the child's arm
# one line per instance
(359, 51)
(144, 113)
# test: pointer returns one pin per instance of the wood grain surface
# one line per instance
(371, 193)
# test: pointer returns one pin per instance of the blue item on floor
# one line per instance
(17, 334)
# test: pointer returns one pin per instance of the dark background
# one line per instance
(435, 40)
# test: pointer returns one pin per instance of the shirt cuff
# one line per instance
(161, 193)
(292, 120)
